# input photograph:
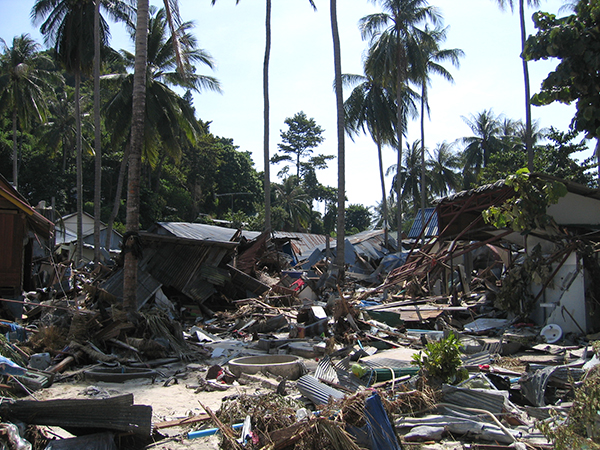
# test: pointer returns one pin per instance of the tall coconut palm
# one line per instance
(396, 34)
(443, 166)
(137, 136)
(528, 130)
(410, 174)
(431, 61)
(127, 12)
(339, 102)
(168, 116)
(486, 139)
(371, 108)
(23, 81)
(68, 27)
(266, 110)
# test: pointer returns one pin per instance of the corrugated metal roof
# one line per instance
(198, 231)
(303, 243)
(181, 266)
(417, 226)
(371, 244)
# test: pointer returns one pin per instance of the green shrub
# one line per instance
(441, 359)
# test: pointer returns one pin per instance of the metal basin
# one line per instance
(287, 366)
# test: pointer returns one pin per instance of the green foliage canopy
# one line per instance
(575, 40)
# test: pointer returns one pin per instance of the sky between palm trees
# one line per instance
(301, 78)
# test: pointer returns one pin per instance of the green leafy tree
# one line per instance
(526, 211)
(24, 78)
(441, 360)
(358, 218)
(573, 40)
(298, 141)
(554, 158)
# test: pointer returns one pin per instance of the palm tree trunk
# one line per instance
(337, 59)
(135, 157)
(79, 164)
(399, 114)
(384, 206)
(528, 126)
(15, 152)
(423, 100)
(117, 203)
(267, 168)
(97, 137)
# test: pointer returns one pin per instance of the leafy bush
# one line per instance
(441, 359)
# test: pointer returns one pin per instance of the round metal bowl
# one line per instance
(287, 366)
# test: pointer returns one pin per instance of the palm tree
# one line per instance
(168, 117)
(68, 26)
(528, 130)
(295, 202)
(167, 114)
(23, 81)
(339, 101)
(266, 110)
(442, 166)
(395, 39)
(410, 174)
(431, 61)
(371, 107)
(137, 135)
(486, 128)
(59, 131)
(127, 13)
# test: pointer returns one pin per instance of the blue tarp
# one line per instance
(378, 433)
(7, 367)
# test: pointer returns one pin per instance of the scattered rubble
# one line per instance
(470, 337)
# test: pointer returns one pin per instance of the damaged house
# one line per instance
(548, 275)
(25, 235)
(66, 238)
(200, 263)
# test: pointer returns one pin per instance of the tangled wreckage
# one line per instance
(467, 335)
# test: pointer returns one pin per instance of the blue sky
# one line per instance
(301, 75)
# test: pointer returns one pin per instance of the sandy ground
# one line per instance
(177, 400)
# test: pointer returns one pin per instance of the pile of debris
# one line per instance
(470, 333)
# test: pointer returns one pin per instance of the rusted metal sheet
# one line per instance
(188, 267)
